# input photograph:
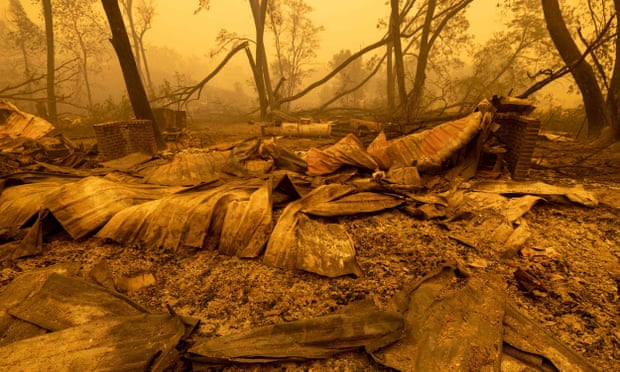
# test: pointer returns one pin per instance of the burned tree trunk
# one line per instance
(582, 72)
(613, 94)
(133, 82)
(398, 53)
(263, 82)
(415, 97)
(52, 113)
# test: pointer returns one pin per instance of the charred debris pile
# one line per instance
(223, 198)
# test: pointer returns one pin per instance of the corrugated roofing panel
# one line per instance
(21, 124)
(83, 207)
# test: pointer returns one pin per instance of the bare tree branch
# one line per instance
(184, 94)
(597, 63)
(335, 71)
(356, 87)
(600, 40)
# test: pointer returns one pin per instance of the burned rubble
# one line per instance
(255, 199)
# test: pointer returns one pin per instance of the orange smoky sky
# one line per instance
(348, 24)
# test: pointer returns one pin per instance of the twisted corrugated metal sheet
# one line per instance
(21, 124)
(428, 149)
(347, 151)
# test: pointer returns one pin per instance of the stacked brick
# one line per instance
(120, 138)
(519, 134)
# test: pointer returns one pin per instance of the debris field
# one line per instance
(426, 251)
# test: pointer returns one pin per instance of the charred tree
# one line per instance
(390, 79)
(415, 96)
(133, 82)
(583, 73)
(398, 52)
(261, 73)
(52, 112)
(613, 94)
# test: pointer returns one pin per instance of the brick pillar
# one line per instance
(519, 133)
(120, 138)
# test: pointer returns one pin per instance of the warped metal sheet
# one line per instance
(283, 158)
(362, 202)
(18, 204)
(20, 289)
(83, 207)
(21, 124)
(187, 169)
(458, 322)
(358, 325)
(65, 302)
(522, 333)
(378, 150)
(201, 219)
(325, 249)
(575, 193)
(450, 321)
(511, 208)
(348, 151)
(247, 224)
(134, 343)
(328, 252)
(127, 162)
(428, 149)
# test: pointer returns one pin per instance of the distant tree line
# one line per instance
(426, 64)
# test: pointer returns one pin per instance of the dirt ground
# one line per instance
(574, 251)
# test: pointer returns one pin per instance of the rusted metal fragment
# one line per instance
(134, 343)
(13, 329)
(361, 202)
(283, 158)
(65, 302)
(245, 159)
(247, 224)
(575, 193)
(457, 322)
(21, 124)
(450, 321)
(30, 245)
(325, 249)
(18, 204)
(83, 207)
(283, 248)
(187, 169)
(511, 208)
(430, 148)
(404, 176)
(359, 325)
(348, 151)
(198, 220)
(521, 333)
(378, 149)
(321, 162)
(517, 207)
(19, 290)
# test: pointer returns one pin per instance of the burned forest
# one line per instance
(292, 185)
